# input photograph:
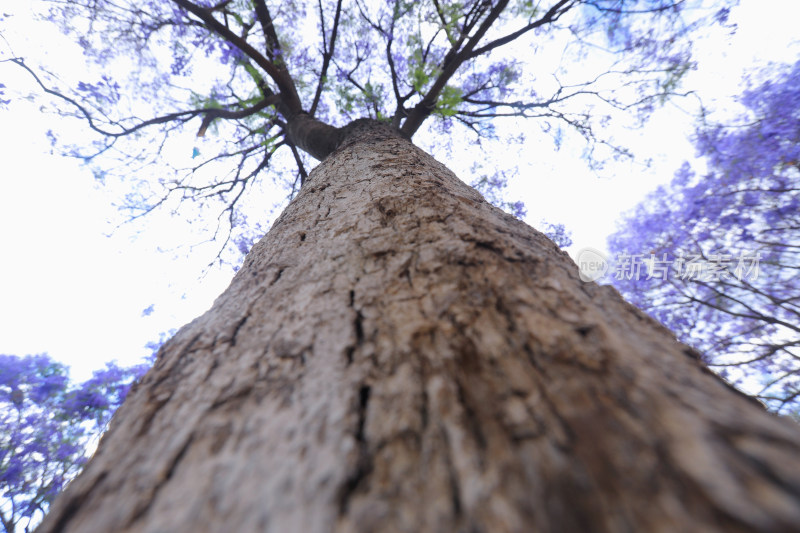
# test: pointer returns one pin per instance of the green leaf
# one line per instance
(447, 105)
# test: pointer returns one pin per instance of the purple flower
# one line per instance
(3, 102)
(747, 205)
(48, 422)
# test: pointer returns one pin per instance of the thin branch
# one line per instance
(327, 53)
(618, 11)
(210, 113)
(214, 114)
(300, 167)
(552, 15)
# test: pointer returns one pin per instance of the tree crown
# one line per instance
(266, 84)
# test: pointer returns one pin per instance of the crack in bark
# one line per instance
(364, 465)
(214, 365)
(178, 458)
(406, 266)
(507, 315)
(424, 408)
(237, 328)
(358, 329)
(277, 277)
(472, 420)
(585, 330)
(538, 376)
(358, 323)
(225, 398)
(363, 400)
(489, 246)
(452, 476)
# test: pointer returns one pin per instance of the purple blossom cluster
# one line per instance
(2, 92)
(180, 63)
(227, 52)
(747, 203)
(558, 233)
(494, 82)
(493, 188)
(246, 233)
(104, 91)
(47, 423)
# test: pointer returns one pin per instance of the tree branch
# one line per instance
(327, 53)
(286, 88)
(301, 169)
(553, 14)
(423, 109)
(214, 114)
(209, 113)
(271, 37)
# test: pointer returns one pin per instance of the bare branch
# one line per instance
(327, 52)
(552, 15)
(619, 11)
(209, 113)
(214, 114)
(300, 167)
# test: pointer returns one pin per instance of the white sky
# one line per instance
(68, 290)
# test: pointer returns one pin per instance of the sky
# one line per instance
(69, 289)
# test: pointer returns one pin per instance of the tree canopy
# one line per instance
(48, 426)
(264, 83)
(733, 232)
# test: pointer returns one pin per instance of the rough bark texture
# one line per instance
(396, 355)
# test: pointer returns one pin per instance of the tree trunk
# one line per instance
(397, 355)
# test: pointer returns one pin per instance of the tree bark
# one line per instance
(397, 355)
(313, 136)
